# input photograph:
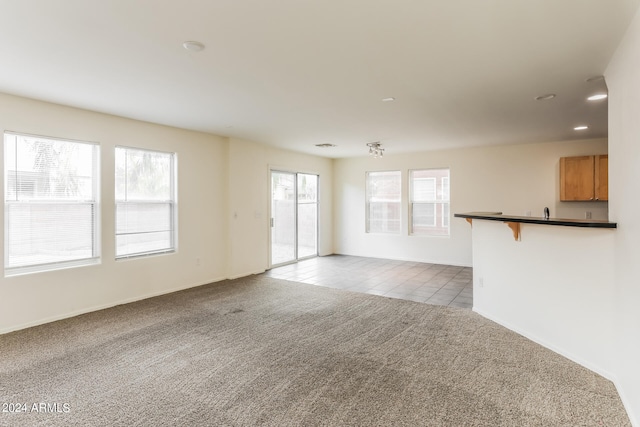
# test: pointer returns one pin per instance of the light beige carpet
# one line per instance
(261, 351)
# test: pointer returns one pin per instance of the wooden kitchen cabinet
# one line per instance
(601, 177)
(584, 178)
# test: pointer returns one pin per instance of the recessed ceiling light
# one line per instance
(325, 145)
(581, 128)
(193, 46)
(597, 97)
(545, 97)
(390, 99)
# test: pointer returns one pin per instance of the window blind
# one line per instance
(383, 194)
(145, 202)
(429, 202)
(51, 203)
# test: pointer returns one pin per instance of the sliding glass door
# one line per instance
(307, 215)
(294, 216)
(283, 214)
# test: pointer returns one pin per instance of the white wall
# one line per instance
(512, 179)
(223, 213)
(202, 214)
(553, 286)
(623, 79)
(249, 199)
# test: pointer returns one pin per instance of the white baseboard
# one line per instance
(237, 276)
(440, 262)
(580, 361)
(626, 402)
(635, 422)
(104, 306)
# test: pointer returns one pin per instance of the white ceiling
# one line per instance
(295, 73)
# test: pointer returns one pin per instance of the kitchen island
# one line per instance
(552, 285)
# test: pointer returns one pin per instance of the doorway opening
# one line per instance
(294, 216)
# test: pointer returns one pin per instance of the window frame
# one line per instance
(368, 219)
(94, 202)
(441, 226)
(172, 203)
(446, 221)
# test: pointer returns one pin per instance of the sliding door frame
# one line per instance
(271, 170)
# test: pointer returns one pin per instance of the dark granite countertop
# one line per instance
(498, 216)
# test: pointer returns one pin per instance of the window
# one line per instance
(51, 203)
(383, 202)
(145, 202)
(429, 202)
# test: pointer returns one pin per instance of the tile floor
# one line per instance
(415, 281)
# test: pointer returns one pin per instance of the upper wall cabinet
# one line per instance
(584, 178)
(602, 177)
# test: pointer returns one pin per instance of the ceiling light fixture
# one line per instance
(325, 145)
(375, 149)
(193, 46)
(390, 99)
(597, 97)
(594, 79)
(545, 97)
(581, 128)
